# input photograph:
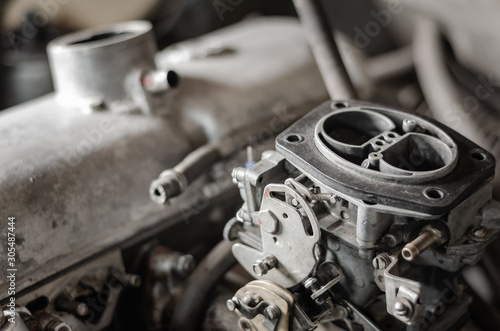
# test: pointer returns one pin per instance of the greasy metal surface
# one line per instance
(272, 294)
(289, 244)
(69, 282)
(78, 183)
(465, 178)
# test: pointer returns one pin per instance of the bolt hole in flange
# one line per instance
(340, 105)
(478, 155)
(434, 193)
(245, 325)
(294, 138)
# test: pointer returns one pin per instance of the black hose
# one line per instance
(321, 39)
(191, 306)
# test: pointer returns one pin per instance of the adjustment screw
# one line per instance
(272, 312)
(381, 261)
(232, 303)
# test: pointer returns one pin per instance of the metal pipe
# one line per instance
(428, 237)
(321, 39)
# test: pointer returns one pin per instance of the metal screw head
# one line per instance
(232, 303)
(82, 309)
(248, 300)
(272, 312)
(437, 309)
(381, 261)
(268, 221)
(391, 240)
(400, 308)
(481, 233)
(260, 268)
(185, 265)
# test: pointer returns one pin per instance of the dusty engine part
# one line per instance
(76, 180)
(358, 200)
(80, 60)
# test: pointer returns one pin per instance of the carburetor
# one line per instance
(364, 216)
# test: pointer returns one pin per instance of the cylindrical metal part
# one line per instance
(320, 36)
(65, 302)
(93, 68)
(370, 225)
(427, 238)
(173, 182)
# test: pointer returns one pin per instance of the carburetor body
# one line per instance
(364, 216)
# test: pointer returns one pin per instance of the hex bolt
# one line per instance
(261, 267)
(401, 309)
(268, 221)
(428, 237)
(272, 312)
(185, 265)
(381, 261)
(65, 302)
(233, 303)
